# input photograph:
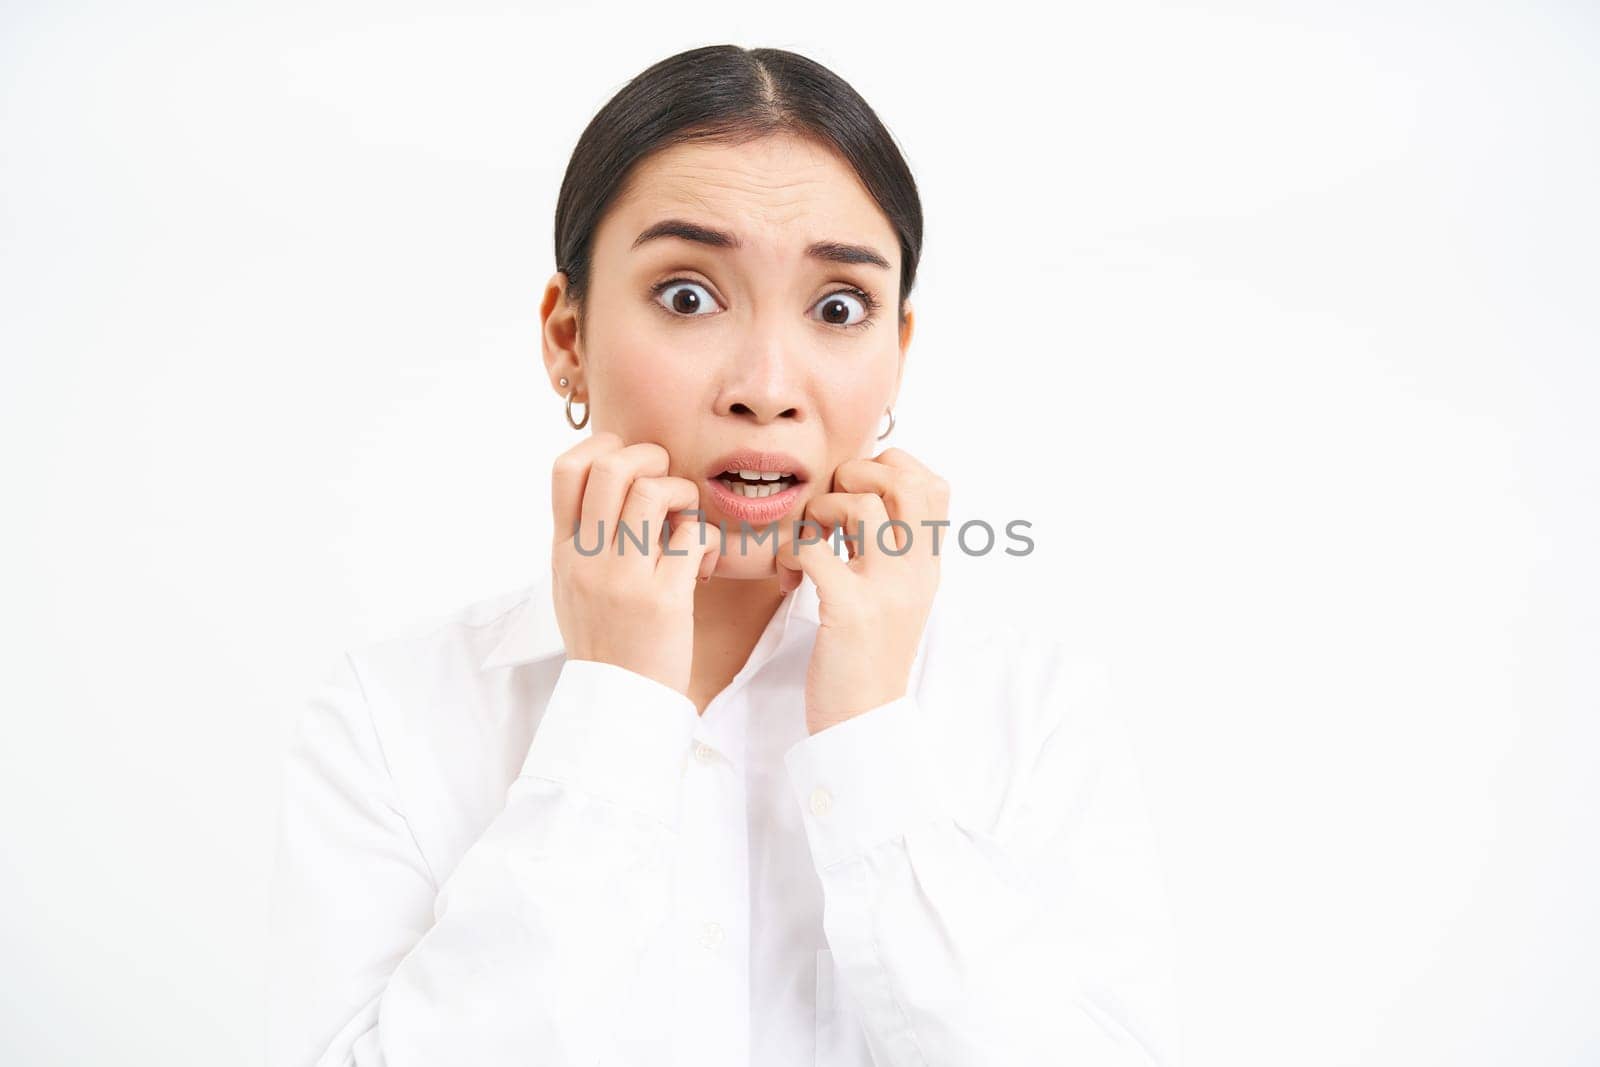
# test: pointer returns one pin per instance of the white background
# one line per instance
(1279, 324)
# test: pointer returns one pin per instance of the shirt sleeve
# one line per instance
(529, 951)
(1043, 939)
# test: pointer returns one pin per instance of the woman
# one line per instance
(712, 794)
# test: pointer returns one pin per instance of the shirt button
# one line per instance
(821, 801)
(711, 935)
(704, 752)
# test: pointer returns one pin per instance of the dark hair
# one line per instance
(730, 95)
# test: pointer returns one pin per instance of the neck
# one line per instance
(732, 607)
(729, 617)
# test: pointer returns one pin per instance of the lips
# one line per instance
(752, 460)
(755, 487)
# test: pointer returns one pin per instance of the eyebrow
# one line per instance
(830, 251)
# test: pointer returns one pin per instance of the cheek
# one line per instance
(647, 394)
(633, 380)
(854, 407)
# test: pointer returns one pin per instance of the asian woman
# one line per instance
(731, 783)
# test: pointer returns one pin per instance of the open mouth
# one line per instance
(756, 484)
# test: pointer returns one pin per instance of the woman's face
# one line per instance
(752, 337)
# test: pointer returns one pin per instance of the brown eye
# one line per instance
(836, 309)
(686, 298)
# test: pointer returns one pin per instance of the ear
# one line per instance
(905, 344)
(563, 357)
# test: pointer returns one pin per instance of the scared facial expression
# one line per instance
(742, 314)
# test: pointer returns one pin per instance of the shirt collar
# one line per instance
(534, 634)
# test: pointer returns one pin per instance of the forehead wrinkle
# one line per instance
(741, 175)
(749, 221)
(758, 201)
(763, 166)
(713, 195)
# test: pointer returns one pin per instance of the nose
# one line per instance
(765, 381)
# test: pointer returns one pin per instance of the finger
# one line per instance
(861, 520)
(899, 457)
(789, 580)
(868, 476)
(568, 475)
(692, 551)
(912, 494)
(644, 515)
(892, 458)
(610, 477)
(828, 572)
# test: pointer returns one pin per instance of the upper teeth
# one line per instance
(765, 476)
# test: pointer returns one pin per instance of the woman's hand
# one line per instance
(630, 607)
(872, 609)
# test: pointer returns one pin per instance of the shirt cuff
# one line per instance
(617, 735)
(864, 781)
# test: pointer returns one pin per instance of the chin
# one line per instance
(759, 564)
(757, 560)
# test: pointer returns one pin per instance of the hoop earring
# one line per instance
(890, 430)
(577, 425)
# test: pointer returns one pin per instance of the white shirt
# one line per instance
(490, 854)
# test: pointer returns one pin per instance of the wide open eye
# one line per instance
(684, 297)
(836, 308)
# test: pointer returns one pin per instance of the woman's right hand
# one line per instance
(633, 609)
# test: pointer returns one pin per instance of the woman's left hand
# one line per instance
(872, 609)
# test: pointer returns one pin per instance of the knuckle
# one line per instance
(867, 501)
(650, 451)
(611, 465)
(930, 491)
(647, 493)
